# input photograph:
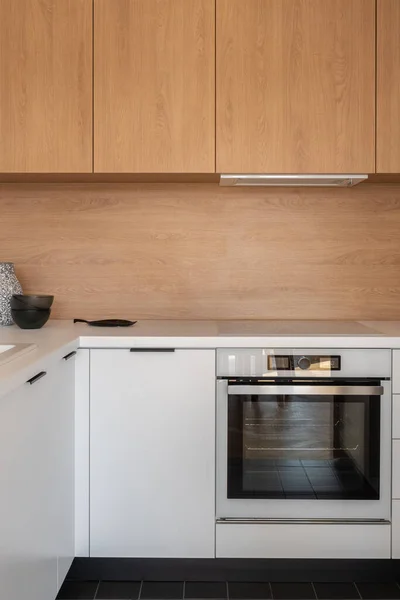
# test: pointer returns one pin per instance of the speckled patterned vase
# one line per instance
(9, 285)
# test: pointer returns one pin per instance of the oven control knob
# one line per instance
(304, 363)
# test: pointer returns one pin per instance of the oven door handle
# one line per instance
(305, 390)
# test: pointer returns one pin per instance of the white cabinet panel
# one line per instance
(152, 453)
(396, 470)
(396, 371)
(302, 541)
(65, 467)
(28, 561)
(396, 416)
(82, 394)
(396, 529)
(37, 487)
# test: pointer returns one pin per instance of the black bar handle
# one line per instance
(37, 377)
(152, 350)
(70, 355)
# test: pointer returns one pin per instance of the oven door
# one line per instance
(304, 450)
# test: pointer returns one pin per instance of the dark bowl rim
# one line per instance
(41, 296)
(31, 309)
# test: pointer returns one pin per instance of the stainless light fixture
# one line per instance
(291, 180)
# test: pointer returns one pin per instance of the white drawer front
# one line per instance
(396, 417)
(396, 371)
(396, 470)
(302, 541)
(396, 529)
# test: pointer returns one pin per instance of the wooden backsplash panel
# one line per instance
(203, 252)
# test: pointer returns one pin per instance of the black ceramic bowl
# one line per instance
(28, 301)
(30, 318)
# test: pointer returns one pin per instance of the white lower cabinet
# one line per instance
(396, 416)
(64, 402)
(396, 469)
(396, 371)
(396, 529)
(303, 541)
(36, 475)
(82, 427)
(28, 562)
(152, 453)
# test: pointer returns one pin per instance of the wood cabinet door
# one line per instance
(295, 86)
(152, 453)
(388, 91)
(154, 86)
(45, 86)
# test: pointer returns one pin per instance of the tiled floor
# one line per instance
(222, 590)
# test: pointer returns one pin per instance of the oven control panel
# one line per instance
(285, 362)
(303, 363)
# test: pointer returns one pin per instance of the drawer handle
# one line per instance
(152, 350)
(70, 355)
(36, 377)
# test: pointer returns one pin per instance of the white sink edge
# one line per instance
(6, 347)
(16, 351)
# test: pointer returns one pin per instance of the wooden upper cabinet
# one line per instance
(45, 86)
(154, 86)
(296, 86)
(388, 92)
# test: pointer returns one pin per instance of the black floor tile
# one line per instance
(238, 590)
(292, 591)
(118, 590)
(162, 590)
(78, 590)
(336, 591)
(205, 589)
(379, 591)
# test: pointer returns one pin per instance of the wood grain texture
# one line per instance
(388, 87)
(154, 86)
(148, 178)
(119, 178)
(46, 86)
(204, 252)
(295, 86)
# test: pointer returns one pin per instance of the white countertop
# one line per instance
(58, 338)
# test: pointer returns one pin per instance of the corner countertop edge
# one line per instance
(58, 338)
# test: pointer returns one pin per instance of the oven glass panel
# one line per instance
(299, 447)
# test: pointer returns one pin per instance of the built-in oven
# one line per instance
(303, 434)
